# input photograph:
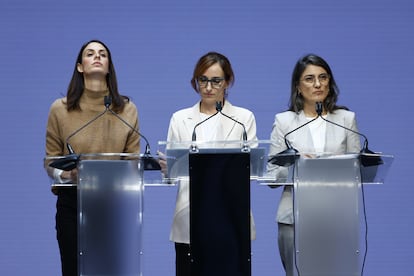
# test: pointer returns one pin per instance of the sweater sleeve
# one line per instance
(54, 141)
(133, 142)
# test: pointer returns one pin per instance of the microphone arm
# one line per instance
(193, 146)
(149, 162)
(367, 157)
(289, 156)
(364, 148)
(147, 147)
(70, 161)
(193, 136)
(219, 107)
(68, 146)
(319, 109)
(287, 143)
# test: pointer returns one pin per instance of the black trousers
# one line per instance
(67, 229)
(182, 259)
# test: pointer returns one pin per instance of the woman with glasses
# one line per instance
(312, 85)
(212, 78)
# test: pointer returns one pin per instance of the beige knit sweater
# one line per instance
(105, 135)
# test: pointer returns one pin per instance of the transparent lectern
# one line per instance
(328, 209)
(219, 174)
(110, 212)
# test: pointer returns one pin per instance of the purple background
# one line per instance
(155, 45)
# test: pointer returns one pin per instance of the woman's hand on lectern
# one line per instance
(162, 160)
(72, 175)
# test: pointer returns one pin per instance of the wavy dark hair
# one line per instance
(206, 61)
(77, 85)
(296, 99)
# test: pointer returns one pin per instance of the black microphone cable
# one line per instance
(219, 108)
(370, 161)
(193, 147)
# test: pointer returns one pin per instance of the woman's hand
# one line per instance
(66, 177)
(70, 175)
(162, 160)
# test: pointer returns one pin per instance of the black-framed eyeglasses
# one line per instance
(215, 82)
(310, 79)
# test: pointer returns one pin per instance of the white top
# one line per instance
(210, 127)
(318, 132)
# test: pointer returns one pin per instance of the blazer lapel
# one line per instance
(191, 120)
(303, 135)
(334, 134)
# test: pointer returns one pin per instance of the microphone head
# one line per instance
(67, 163)
(319, 108)
(147, 149)
(150, 163)
(219, 106)
(369, 158)
(107, 101)
(70, 149)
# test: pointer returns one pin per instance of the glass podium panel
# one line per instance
(374, 172)
(110, 206)
(326, 211)
(176, 155)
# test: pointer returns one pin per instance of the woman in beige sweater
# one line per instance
(93, 78)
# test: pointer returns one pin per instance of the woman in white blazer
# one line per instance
(312, 82)
(212, 77)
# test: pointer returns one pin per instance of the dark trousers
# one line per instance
(182, 259)
(66, 231)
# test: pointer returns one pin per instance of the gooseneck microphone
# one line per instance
(287, 143)
(70, 161)
(289, 156)
(367, 160)
(193, 137)
(319, 110)
(150, 163)
(219, 107)
(107, 102)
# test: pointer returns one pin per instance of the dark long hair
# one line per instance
(296, 100)
(206, 61)
(77, 85)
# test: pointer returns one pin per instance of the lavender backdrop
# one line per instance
(155, 45)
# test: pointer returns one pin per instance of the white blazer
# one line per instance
(337, 140)
(181, 128)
